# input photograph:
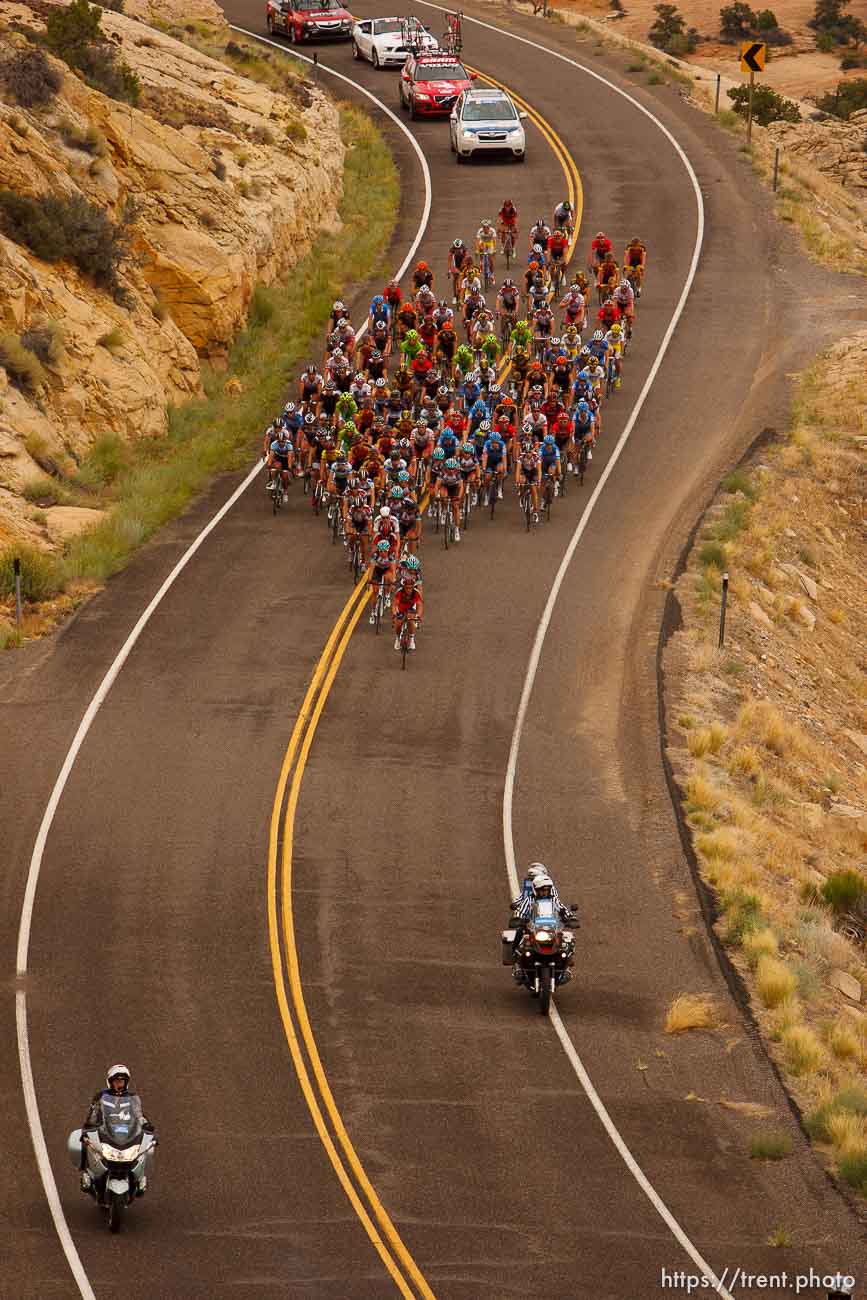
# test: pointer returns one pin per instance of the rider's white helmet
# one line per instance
(113, 1071)
(536, 868)
(385, 512)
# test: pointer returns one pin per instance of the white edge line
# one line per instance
(31, 1106)
(541, 632)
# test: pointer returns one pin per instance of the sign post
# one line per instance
(753, 54)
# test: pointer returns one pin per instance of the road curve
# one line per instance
(150, 937)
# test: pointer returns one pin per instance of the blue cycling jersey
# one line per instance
(471, 393)
(583, 421)
(281, 448)
(549, 452)
(494, 448)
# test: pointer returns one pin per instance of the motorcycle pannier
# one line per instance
(509, 946)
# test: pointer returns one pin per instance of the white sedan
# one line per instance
(386, 42)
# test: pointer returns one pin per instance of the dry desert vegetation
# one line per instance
(768, 743)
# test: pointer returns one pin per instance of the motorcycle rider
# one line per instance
(537, 884)
(117, 1085)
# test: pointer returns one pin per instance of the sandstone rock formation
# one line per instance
(231, 181)
(834, 147)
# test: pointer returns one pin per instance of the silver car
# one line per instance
(486, 121)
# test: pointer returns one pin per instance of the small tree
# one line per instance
(73, 33)
(669, 23)
(30, 78)
(827, 15)
(766, 20)
(848, 98)
(736, 21)
(768, 106)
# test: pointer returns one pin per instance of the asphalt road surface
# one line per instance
(150, 939)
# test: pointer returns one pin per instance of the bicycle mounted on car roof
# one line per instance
(453, 41)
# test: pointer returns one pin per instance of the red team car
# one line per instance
(302, 20)
(430, 84)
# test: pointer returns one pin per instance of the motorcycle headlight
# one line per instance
(545, 937)
(112, 1153)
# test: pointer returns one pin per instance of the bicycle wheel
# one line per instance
(465, 506)
(333, 520)
(448, 525)
(317, 497)
(492, 494)
(356, 563)
(307, 481)
(377, 610)
(276, 496)
(582, 463)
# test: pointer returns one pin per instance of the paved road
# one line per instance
(150, 939)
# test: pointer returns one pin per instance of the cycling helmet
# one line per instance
(359, 377)
(616, 329)
(376, 355)
(309, 418)
(508, 283)
(537, 248)
(384, 513)
(549, 438)
(583, 405)
(566, 206)
(383, 547)
(457, 243)
(403, 476)
(380, 383)
(404, 444)
(439, 454)
(598, 336)
(493, 390)
(467, 447)
(412, 334)
(451, 463)
(396, 493)
(485, 426)
(378, 300)
(600, 234)
(585, 351)
(338, 352)
(342, 323)
(556, 341)
(413, 563)
(527, 426)
(476, 285)
(624, 283)
(288, 408)
(112, 1073)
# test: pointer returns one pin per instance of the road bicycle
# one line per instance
(335, 519)
(453, 40)
(404, 639)
(548, 494)
(610, 376)
(355, 561)
(379, 606)
(448, 522)
(507, 324)
(466, 505)
(509, 246)
(582, 459)
(487, 268)
(526, 499)
(557, 276)
(492, 485)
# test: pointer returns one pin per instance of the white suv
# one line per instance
(486, 121)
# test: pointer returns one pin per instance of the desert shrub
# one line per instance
(73, 33)
(30, 78)
(45, 340)
(765, 20)
(777, 36)
(848, 98)
(40, 579)
(834, 27)
(112, 339)
(57, 227)
(770, 1144)
(104, 462)
(22, 366)
(669, 23)
(737, 21)
(90, 140)
(844, 889)
(768, 106)
(775, 982)
(852, 1101)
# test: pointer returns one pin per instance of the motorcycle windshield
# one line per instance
(121, 1120)
(545, 910)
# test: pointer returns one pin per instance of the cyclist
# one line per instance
(574, 307)
(486, 245)
(310, 384)
(561, 429)
(607, 277)
(380, 312)
(540, 233)
(507, 223)
(338, 311)
(557, 246)
(608, 313)
(409, 606)
(635, 263)
(446, 345)
(624, 300)
(561, 374)
(474, 302)
(564, 217)
(584, 424)
(393, 295)
(507, 302)
(435, 469)
(451, 490)
(522, 336)
(358, 519)
(422, 276)
(600, 247)
(410, 521)
(614, 339)
(528, 469)
(280, 457)
(338, 480)
(549, 460)
(494, 461)
(469, 464)
(458, 258)
(543, 325)
(381, 571)
(407, 319)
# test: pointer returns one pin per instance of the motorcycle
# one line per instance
(118, 1157)
(543, 956)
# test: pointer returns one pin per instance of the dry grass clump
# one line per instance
(845, 1041)
(761, 720)
(691, 1011)
(775, 981)
(770, 1144)
(804, 1052)
(707, 740)
(701, 794)
(744, 760)
(760, 943)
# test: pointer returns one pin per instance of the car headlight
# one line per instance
(112, 1153)
(419, 94)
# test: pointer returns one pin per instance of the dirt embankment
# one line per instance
(230, 180)
(768, 742)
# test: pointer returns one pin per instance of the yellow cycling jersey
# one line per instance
(486, 243)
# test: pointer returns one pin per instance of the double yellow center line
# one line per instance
(314, 1084)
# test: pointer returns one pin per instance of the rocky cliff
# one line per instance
(230, 182)
(838, 149)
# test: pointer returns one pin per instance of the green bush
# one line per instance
(23, 367)
(737, 21)
(30, 78)
(765, 20)
(848, 98)
(40, 579)
(770, 1144)
(106, 460)
(45, 340)
(743, 915)
(843, 889)
(825, 42)
(58, 228)
(768, 106)
(853, 1169)
(852, 1100)
(74, 34)
(88, 140)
